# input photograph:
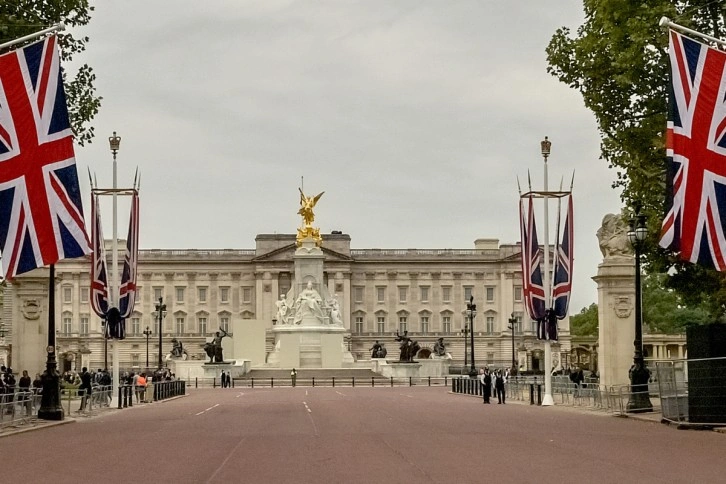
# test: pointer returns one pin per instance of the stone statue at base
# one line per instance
(308, 305)
(409, 348)
(612, 237)
(440, 348)
(335, 317)
(214, 348)
(177, 351)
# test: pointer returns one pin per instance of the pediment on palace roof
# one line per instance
(287, 253)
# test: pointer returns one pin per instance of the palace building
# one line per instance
(380, 291)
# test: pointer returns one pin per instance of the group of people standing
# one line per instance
(226, 379)
(499, 378)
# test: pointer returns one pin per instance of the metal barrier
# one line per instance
(372, 382)
(17, 408)
(167, 389)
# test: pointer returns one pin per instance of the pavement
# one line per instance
(351, 435)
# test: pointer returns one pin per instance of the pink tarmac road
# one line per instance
(358, 435)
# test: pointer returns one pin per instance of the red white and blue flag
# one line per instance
(41, 214)
(99, 271)
(696, 150)
(562, 278)
(532, 288)
(127, 290)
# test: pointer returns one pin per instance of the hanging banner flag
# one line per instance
(696, 153)
(532, 288)
(99, 272)
(41, 214)
(127, 290)
(562, 283)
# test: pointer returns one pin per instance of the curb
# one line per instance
(38, 426)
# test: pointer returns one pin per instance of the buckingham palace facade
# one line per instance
(381, 291)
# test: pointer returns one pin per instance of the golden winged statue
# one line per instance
(307, 204)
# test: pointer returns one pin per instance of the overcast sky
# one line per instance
(414, 117)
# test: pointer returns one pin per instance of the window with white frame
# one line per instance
(84, 294)
(490, 324)
(517, 293)
(156, 326)
(84, 325)
(446, 324)
(247, 295)
(158, 293)
(490, 294)
(446, 294)
(468, 291)
(136, 326)
(359, 324)
(381, 324)
(402, 294)
(180, 325)
(358, 293)
(180, 294)
(424, 293)
(224, 323)
(202, 294)
(67, 294)
(224, 294)
(518, 323)
(533, 326)
(202, 323)
(67, 325)
(424, 324)
(402, 323)
(381, 294)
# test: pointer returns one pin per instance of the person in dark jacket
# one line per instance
(486, 381)
(85, 389)
(499, 385)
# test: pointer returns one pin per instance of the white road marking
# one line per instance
(239, 395)
(307, 408)
(336, 391)
(208, 409)
(306, 393)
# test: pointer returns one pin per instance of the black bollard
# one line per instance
(373, 381)
(352, 381)
(196, 383)
(333, 381)
(410, 381)
(252, 382)
(531, 393)
(313, 382)
(539, 394)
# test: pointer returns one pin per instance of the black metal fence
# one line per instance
(472, 386)
(168, 389)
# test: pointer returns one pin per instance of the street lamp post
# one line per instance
(147, 332)
(512, 325)
(160, 313)
(466, 344)
(471, 314)
(639, 375)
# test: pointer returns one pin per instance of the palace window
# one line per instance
(247, 295)
(359, 324)
(202, 294)
(490, 324)
(134, 359)
(67, 326)
(84, 294)
(202, 325)
(468, 290)
(381, 323)
(446, 294)
(424, 324)
(180, 294)
(490, 294)
(67, 294)
(402, 324)
(224, 294)
(84, 325)
(136, 326)
(424, 293)
(180, 325)
(518, 293)
(402, 295)
(224, 323)
(446, 323)
(158, 293)
(358, 293)
(381, 294)
(517, 323)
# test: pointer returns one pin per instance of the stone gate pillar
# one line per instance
(30, 321)
(616, 302)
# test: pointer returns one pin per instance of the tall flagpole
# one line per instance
(547, 400)
(115, 143)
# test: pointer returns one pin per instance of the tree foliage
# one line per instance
(23, 17)
(665, 311)
(618, 61)
(585, 323)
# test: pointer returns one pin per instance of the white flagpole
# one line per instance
(666, 22)
(33, 36)
(114, 296)
(547, 400)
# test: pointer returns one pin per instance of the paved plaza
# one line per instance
(358, 435)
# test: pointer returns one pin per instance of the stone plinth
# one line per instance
(248, 341)
(434, 367)
(30, 321)
(309, 347)
(616, 318)
(395, 369)
(236, 368)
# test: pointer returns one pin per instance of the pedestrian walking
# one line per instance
(293, 376)
(486, 383)
(85, 388)
(499, 385)
(229, 379)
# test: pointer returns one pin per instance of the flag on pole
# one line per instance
(532, 287)
(127, 290)
(99, 272)
(41, 214)
(696, 152)
(562, 283)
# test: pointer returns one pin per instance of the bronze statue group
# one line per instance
(499, 379)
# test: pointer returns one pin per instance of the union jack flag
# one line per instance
(41, 215)
(127, 290)
(696, 152)
(562, 283)
(532, 288)
(99, 272)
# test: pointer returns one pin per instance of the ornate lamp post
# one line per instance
(512, 326)
(159, 314)
(639, 375)
(471, 314)
(147, 332)
(466, 344)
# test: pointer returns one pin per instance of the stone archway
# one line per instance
(423, 354)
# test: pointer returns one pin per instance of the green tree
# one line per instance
(23, 17)
(618, 61)
(585, 323)
(665, 311)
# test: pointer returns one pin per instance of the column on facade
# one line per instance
(169, 290)
(680, 351)
(346, 308)
(191, 303)
(213, 298)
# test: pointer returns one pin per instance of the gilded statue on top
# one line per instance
(306, 210)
